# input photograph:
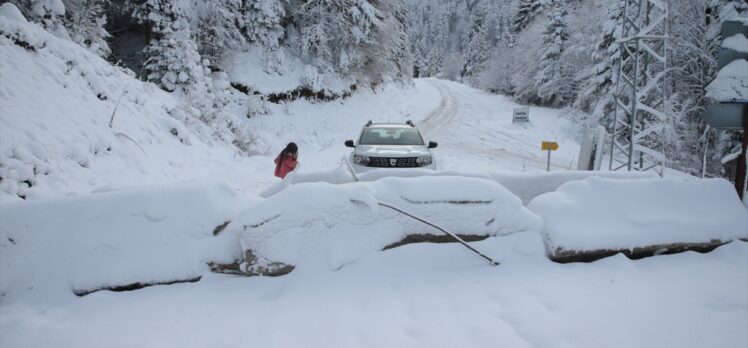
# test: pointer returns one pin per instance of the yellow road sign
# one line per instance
(549, 145)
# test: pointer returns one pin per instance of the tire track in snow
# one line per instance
(440, 125)
(444, 113)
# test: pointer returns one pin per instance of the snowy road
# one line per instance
(475, 132)
(473, 128)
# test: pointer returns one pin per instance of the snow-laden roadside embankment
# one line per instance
(70, 122)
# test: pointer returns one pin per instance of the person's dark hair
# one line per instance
(291, 149)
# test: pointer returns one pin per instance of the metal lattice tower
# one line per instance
(640, 90)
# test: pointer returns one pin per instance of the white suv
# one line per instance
(390, 145)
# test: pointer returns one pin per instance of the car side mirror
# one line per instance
(432, 144)
(349, 143)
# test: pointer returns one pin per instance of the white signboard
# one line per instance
(521, 114)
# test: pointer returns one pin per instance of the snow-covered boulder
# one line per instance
(596, 217)
(327, 226)
(115, 239)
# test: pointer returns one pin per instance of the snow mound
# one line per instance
(605, 214)
(320, 225)
(110, 239)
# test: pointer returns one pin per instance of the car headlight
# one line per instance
(423, 161)
(360, 159)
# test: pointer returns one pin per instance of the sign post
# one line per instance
(550, 146)
(521, 114)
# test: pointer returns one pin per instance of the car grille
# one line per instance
(392, 162)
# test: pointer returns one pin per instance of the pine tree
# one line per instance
(49, 13)
(526, 11)
(477, 44)
(172, 58)
(85, 21)
(263, 22)
(598, 83)
(553, 81)
(218, 28)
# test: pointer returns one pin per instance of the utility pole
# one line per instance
(640, 89)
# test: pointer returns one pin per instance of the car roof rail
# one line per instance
(410, 123)
(368, 123)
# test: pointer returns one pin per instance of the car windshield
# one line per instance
(391, 136)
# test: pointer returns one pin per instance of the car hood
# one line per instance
(392, 150)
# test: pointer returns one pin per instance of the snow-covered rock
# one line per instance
(319, 225)
(603, 214)
(110, 239)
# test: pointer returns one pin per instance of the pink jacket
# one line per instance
(282, 168)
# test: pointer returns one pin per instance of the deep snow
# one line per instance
(103, 209)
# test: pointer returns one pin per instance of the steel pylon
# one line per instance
(640, 95)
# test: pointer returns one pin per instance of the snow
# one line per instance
(140, 235)
(600, 213)
(525, 185)
(248, 68)
(731, 83)
(11, 12)
(428, 295)
(321, 225)
(85, 206)
(737, 42)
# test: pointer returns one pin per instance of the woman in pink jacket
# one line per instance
(286, 160)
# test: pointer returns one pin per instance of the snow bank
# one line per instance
(528, 185)
(605, 214)
(84, 243)
(323, 225)
(525, 185)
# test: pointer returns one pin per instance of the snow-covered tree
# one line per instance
(263, 22)
(85, 21)
(598, 82)
(477, 43)
(554, 82)
(172, 57)
(526, 11)
(48, 13)
(354, 38)
(218, 28)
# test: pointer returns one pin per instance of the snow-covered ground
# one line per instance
(104, 209)
(423, 295)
